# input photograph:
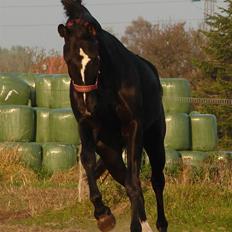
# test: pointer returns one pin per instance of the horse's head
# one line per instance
(81, 51)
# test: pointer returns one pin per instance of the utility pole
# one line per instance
(209, 8)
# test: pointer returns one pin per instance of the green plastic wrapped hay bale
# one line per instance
(204, 132)
(29, 154)
(42, 125)
(60, 92)
(29, 78)
(43, 85)
(193, 113)
(228, 154)
(16, 123)
(8, 74)
(63, 126)
(194, 158)
(175, 91)
(13, 91)
(52, 91)
(58, 157)
(177, 132)
(173, 161)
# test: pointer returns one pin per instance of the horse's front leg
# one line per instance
(133, 187)
(102, 213)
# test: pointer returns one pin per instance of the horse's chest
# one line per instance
(107, 117)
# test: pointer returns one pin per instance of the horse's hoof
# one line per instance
(106, 222)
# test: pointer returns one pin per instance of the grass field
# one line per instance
(194, 201)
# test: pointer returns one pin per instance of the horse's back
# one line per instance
(136, 71)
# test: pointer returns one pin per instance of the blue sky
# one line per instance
(34, 22)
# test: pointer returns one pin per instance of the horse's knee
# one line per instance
(132, 191)
(132, 187)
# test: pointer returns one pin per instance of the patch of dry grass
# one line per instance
(21, 189)
(35, 200)
(191, 195)
(18, 228)
(12, 170)
(215, 173)
(67, 177)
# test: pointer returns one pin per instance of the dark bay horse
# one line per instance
(116, 97)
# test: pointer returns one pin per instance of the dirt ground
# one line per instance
(7, 224)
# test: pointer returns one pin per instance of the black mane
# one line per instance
(73, 8)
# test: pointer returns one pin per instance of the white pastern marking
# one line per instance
(85, 60)
(146, 227)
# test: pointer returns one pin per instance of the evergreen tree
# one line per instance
(218, 68)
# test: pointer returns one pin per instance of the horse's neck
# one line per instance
(113, 53)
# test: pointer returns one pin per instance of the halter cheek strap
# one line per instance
(85, 88)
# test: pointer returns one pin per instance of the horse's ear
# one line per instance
(62, 30)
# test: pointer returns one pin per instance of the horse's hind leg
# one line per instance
(154, 146)
(115, 165)
(133, 135)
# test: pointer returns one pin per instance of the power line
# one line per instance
(158, 21)
(29, 6)
(106, 3)
(28, 25)
(100, 4)
(137, 3)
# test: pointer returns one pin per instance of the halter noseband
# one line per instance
(85, 88)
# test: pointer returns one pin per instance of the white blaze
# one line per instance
(146, 227)
(85, 60)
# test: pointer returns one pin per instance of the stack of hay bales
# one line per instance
(56, 126)
(190, 136)
(35, 115)
(36, 120)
